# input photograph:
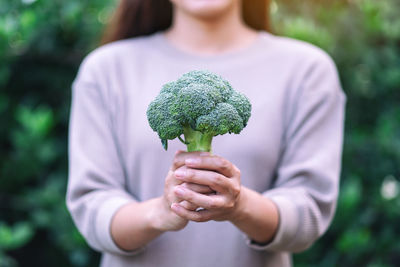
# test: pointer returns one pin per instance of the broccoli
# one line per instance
(199, 105)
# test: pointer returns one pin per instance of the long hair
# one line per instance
(134, 18)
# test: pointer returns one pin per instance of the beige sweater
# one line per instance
(290, 151)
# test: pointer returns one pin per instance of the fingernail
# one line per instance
(192, 161)
(179, 191)
(180, 173)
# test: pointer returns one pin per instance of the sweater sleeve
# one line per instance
(96, 185)
(307, 177)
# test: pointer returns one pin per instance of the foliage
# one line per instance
(42, 43)
(363, 37)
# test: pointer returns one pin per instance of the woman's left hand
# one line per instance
(221, 176)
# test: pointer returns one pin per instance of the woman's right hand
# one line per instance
(137, 223)
(163, 217)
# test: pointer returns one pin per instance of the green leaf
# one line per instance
(15, 237)
(37, 122)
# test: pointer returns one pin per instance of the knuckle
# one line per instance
(237, 171)
(217, 179)
(236, 189)
(224, 164)
(230, 204)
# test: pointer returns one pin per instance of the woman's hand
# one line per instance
(154, 216)
(216, 173)
(255, 215)
(164, 218)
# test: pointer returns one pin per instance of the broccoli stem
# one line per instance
(197, 141)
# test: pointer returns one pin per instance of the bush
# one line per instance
(42, 44)
(363, 37)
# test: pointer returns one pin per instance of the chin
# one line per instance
(204, 8)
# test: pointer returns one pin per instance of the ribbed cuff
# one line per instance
(287, 228)
(104, 217)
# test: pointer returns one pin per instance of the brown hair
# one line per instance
(143, 17)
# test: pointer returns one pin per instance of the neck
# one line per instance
(210, 35)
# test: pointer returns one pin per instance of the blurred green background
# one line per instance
(42, 43)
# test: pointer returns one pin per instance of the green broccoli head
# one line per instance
(199, 105)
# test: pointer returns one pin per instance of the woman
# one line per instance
(276, 183)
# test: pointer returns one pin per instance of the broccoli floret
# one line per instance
(199, 105)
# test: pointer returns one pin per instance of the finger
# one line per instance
(214, 163)
(187, 205)
(203, 189)
(196, 216)
(214, 180)
(181, 156)
(200, 200)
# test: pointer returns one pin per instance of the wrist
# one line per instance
(256, 216)
(155, 216)
(240, 212)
